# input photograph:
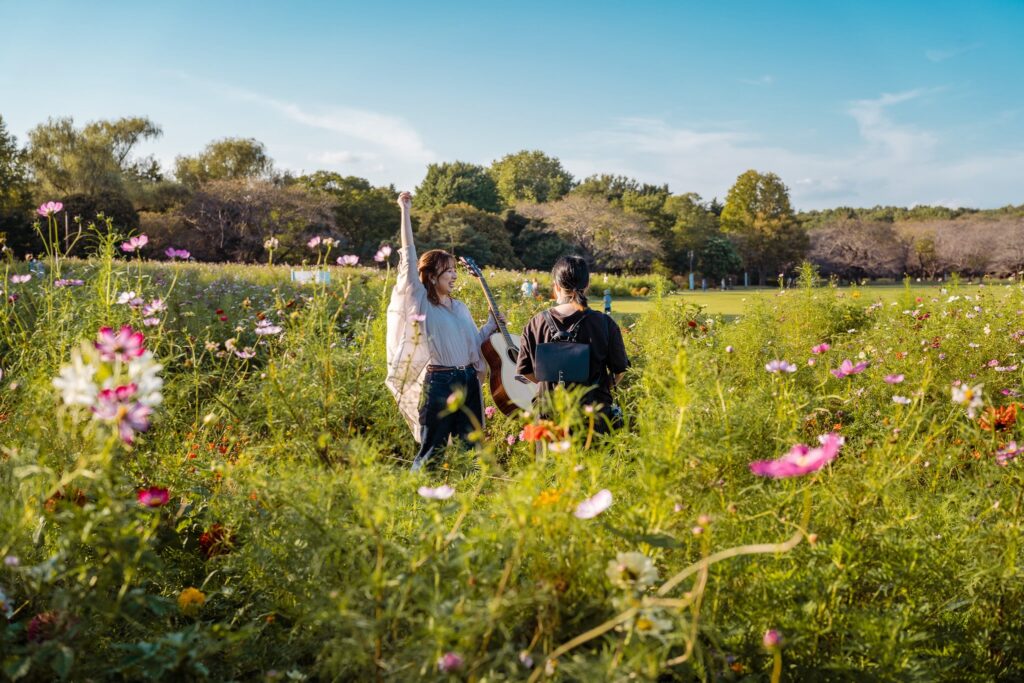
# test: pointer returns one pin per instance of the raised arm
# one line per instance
(405, 204)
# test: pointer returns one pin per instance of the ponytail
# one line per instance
(572, 275)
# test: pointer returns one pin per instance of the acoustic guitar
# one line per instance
(510, 390)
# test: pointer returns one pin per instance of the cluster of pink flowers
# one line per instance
(182, 254)
(116, 378)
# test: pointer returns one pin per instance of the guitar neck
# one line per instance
(493, 305)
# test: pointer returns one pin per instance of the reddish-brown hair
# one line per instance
(430, 266)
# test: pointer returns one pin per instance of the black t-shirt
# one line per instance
(607, 350)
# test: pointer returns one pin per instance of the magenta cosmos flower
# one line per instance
(595, 505)
(134, 243)
(848, 369)
(820, 348)
(49, 208)
(153, 497)
(449, 662)
(123, 345)
(800, 459)
(120, 407)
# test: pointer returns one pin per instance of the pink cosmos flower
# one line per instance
(49, 208)
(595, 505)
(1007, 454)
(134, 243)
(314, 242)
(348, 260)
(847, 369)
(265, 327)
(18, 279)
(490, 411)
(173, 253)
(246, 353)
(902, 400)
(1005, 368)
(820, 348)
(772, 639)
(449, 662)
(993, 363)
(151, 322)
(153, 497)
(443, 492)
(117, 405)
(893, 379)
(64, 282)
(123, 345)
(510, 439)
(382, 254)
(800, 459)
(780, 366)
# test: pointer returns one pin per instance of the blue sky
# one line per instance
(850, 103)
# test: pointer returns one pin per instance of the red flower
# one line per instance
(43, 627)
(215, 541)
(691, 323)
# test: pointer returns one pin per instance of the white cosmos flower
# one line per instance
(632, 571)
(144, 373)
(75, 381)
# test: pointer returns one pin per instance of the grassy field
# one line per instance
(826, 487)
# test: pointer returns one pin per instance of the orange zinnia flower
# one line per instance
(999, 418)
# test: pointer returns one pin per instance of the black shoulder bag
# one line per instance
(563, 359)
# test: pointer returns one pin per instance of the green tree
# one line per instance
(535, 244)
(15, 197)
(458, 183)
(468, 231)
(717, 258)
(530, 177)
(95, 159)
(694, 224)
(227, 159)
(364, 216)
(610, 187)
(759, 218)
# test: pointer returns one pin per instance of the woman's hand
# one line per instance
(405, 201)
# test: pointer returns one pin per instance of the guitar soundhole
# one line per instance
(513, 354)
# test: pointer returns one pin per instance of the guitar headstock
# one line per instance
(471, 266)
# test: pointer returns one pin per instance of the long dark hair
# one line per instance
(573, 277)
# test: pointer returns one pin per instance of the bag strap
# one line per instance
(569, 332)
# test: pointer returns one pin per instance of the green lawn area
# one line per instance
(734, 302)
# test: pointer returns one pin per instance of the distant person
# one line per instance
(571, 317)
(527, 289)
(433, 348)
(535, 288)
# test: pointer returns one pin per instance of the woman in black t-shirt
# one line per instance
(608, 361)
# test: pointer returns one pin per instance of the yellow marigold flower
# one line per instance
(548, 497)
(190, 600)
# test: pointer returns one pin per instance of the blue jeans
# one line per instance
(437, 423)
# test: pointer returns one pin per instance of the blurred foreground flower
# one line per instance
(116, 378)
(191, 600)
(595, 505)
(443, 492)
(449, 662)
(780, 366)
(800, 459)
(632, 571)
(999, 418)
(968, 396)
(153, 497)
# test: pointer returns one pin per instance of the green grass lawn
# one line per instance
(734, 302)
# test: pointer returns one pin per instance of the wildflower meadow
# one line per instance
(203, 477)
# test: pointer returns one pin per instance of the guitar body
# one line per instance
(509, 394)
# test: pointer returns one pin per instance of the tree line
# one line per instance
(521, 211)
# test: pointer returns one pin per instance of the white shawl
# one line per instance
(407, 351)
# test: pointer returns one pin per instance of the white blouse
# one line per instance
(447, 336)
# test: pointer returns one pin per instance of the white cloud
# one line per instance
(763, 81)
(936, 55)
(890, 162)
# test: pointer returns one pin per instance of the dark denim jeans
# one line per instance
(436, 423)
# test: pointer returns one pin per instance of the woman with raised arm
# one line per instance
(433, 349)
(572, 320)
